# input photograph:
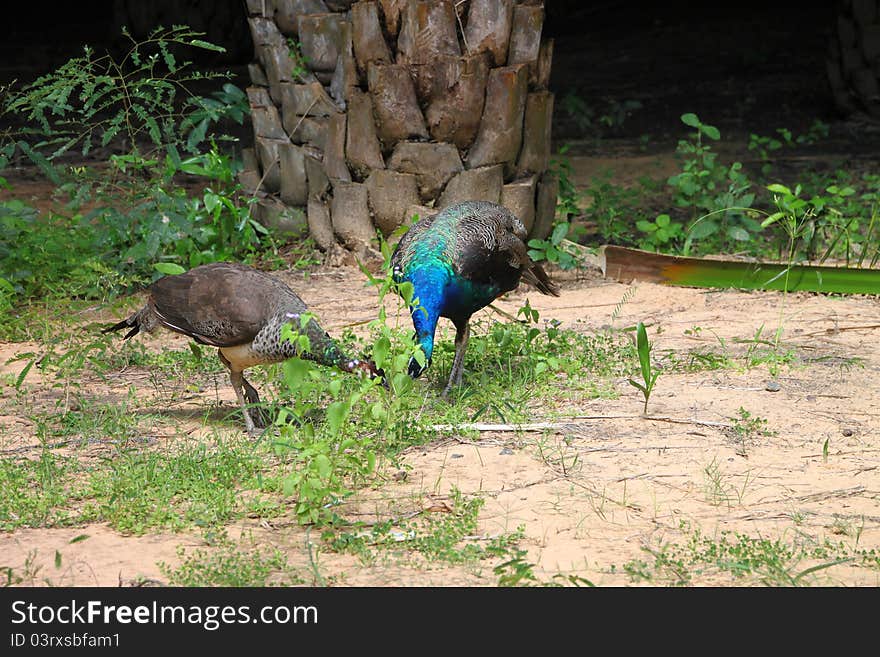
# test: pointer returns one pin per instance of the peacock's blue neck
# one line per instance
(430, 287)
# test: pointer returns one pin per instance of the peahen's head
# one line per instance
(365, 367)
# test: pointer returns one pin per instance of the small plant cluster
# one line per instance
(127, 212)
(646, 368)
(713, 207)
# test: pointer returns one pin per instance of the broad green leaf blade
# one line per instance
(644, 349)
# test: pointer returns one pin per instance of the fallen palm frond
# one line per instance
(625, 265)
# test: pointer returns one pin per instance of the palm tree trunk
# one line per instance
(368, 112)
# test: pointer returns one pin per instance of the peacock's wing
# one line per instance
(492, 251)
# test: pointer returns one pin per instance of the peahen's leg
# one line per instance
(247, 395)
(462, 333)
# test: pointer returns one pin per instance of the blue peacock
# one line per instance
(459, 261)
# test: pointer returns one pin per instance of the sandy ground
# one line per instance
(594, 492)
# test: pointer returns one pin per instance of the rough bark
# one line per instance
(428, 30)
(334, 152)
(519, 197)
(320, 226)
(267, 152)
(500, 133)
(390, 195)
(534, 157)
(482, 184)
(542, 68)
(287, 11)
(281, 219)
(395, 93)
(306, 129)
(345, 76)
(545, 206)
(488, 28)
(394, 99)
(455, 100)
(525, 36)
(432, 164)
(319, 183)
(306, 100)
(369, 43)
(293, 186)
(361, 143)
(350, 215)
(321, 37)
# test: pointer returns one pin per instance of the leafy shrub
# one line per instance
(716, 195)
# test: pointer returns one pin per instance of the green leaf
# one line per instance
(211, 201)
(77, 539)
(40, 160)
(779, 189)
(711, 132)
(378, 412)
(773, 218)
(295, 371)
(168, 268)
(690, 119)
(635, 384)
(644, 349)
(702, 228)
(559, 232)
(337, 412)
(23, 374)
(534, 254)
(322, 465)
(662, 220)
(738, 233)
(198, 43)
(381, 349)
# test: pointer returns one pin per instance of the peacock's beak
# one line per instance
(415, 370)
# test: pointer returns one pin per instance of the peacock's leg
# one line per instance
(462, 333)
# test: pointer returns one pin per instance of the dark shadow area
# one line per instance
(742, 66)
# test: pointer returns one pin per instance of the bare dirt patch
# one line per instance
(604, 486)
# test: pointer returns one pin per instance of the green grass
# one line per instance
(738, 559)
(227, 565)
(192, 485)
(38, 493)
(448, 537)
(136, 490)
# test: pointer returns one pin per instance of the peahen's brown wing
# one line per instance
(221, 304)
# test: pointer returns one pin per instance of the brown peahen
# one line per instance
(459, 261)
(241, 311)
